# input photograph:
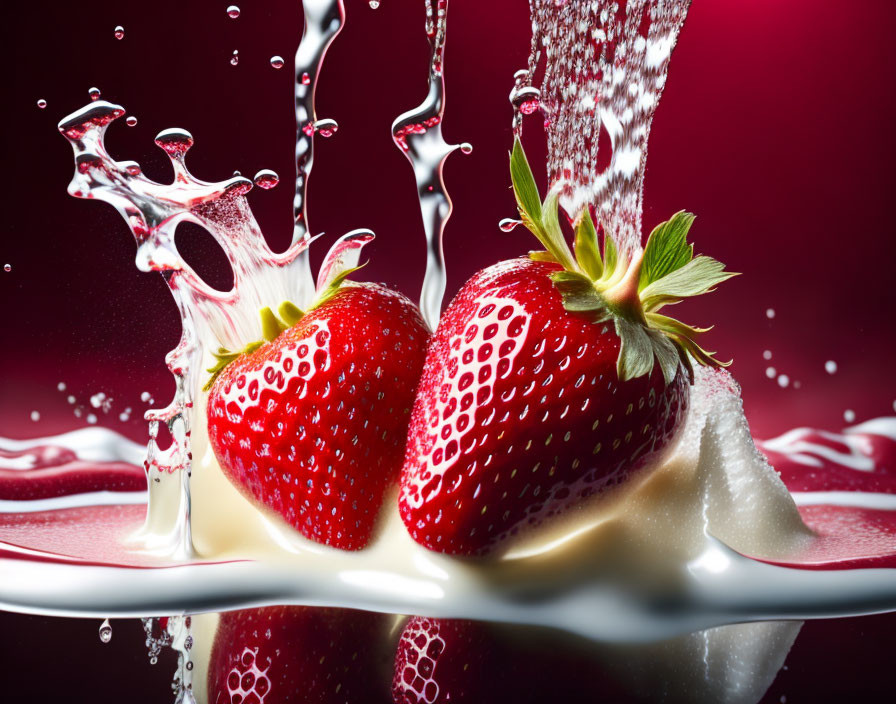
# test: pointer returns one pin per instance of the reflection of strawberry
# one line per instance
(298, 654)
(312, 423)
(550, 378)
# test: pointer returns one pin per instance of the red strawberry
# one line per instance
(299, 654)
(549, 379)
(312, 423)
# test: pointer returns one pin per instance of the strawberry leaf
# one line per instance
(667, 249)
(542, 256)
(553, 235)
(611, 255)
(524, 187)
(586, 248)
(579, 295)
(695, 278)
(635, 350)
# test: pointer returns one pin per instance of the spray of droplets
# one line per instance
(605, 66)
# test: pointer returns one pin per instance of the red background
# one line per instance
(775, 128)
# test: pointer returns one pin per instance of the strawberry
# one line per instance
(312, 422)
(286, 654)
(550, 378)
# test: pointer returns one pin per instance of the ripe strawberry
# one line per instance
(286, 654)
(312, 423)
(549, 378)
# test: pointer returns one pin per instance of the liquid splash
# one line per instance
(605, 67)
(418, 133)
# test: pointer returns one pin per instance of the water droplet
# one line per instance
(770, 313)
(41, 103)
(374, 4)
(7, 267)
(849, 415)
(153, 660)
(235, 59)
(233, 12)
(71, 400)
(266, 179)
(326, 127)
(466, 148)
(509, 224)
(131, 121)
(94, 93)
(91, 418)
(189, 664)
(830, 367)
(124, 417)
(61, 386)
(145, 396)
(97, 399)
(783, 381)
(771, 373)
(306, 79)
(277, 61)
(105, 631)
(767, 355)
(35, 416)
(119, 32)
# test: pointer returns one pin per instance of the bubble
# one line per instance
(131, 121)
(374, 4)
(233, 12)
(94, 93)
(769, 313)
(7, 268)
(119, 32)
(509, 224)
(105, 631)
(306, 79)
(849, 415)
(41, 103)
(830, 366)
(61, 386)
(783, 381)
(235, 58)
(266, 179)
(35, 416)
(277, 61)
(326, 127)
(767, 355)
(770, 372)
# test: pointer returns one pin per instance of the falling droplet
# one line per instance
(770, 313)
(783, 381)
(771, 373)
(94, 93)
(830, 367)
(91, 418)
(7, 267)
(105, 631)
(266, 179)
(374, 4)
(119, 32)
(767, 355)
(61, 386)
(849, 415)
(233, 12)
(306, 79)
(41, 103)
(35, 416)
(466, 148)
(235, 59)
(145, 396)
(277, 61)
(131, 121)
(326, 127)
(509, 224)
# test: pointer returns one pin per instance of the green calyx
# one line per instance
(273, 324)
(628, 290)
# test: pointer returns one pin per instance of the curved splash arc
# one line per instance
(605, 67)
(210, 318)
(418, 134)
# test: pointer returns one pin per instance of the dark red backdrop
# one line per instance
(775, 128)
